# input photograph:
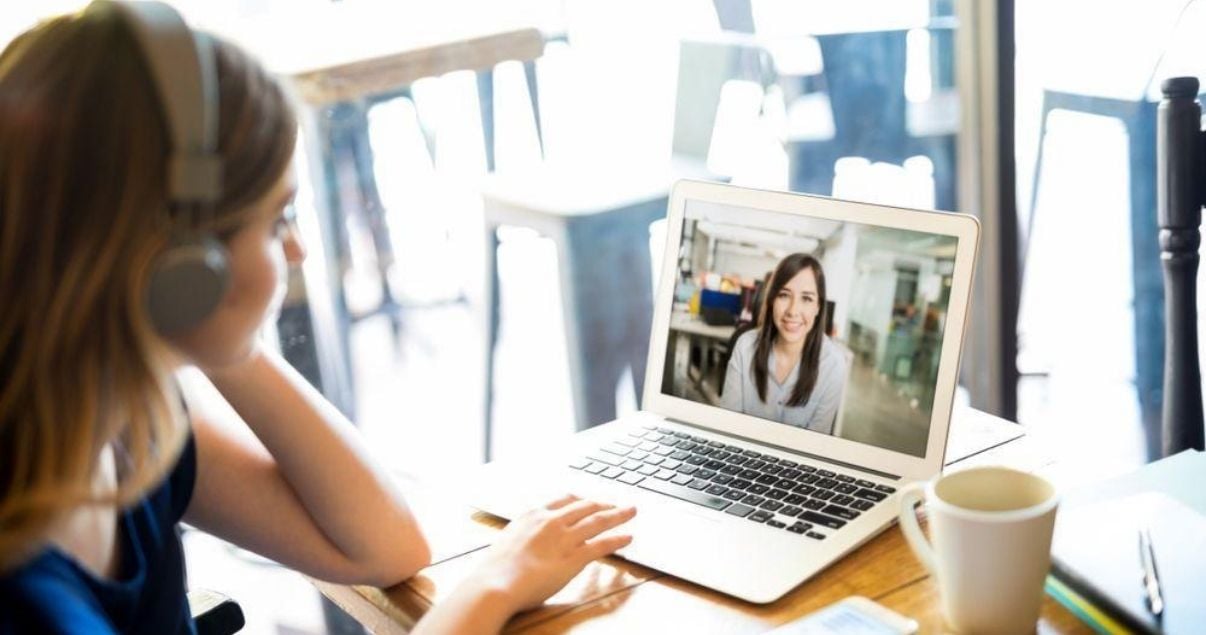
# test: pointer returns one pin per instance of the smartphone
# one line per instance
(855, 615)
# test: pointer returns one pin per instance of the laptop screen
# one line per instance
(830, 326)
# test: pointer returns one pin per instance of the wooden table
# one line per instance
(615, 596)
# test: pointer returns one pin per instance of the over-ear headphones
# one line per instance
(191, 276)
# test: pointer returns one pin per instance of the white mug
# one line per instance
(991, 550)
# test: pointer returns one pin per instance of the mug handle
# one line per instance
(909, 497)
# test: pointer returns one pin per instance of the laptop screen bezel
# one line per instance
(963, 227)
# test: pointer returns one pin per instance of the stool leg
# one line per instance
(1034, 180)
(595, 321)
(485, 100)
(333, 127)
(529, 73)
(491, 308)
(1146, 273)
(374, 213)
(610, 304)
(940, 150)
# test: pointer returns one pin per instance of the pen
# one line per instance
(1151, 578)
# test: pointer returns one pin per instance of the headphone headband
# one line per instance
(183, 71)
(190, 278)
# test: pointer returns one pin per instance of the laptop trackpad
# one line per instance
(508, 493)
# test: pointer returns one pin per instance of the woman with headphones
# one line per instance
(145, 178)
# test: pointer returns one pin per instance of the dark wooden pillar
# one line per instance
(1179, 194)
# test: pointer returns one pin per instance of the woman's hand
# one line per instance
(544, 549)
(537, 554)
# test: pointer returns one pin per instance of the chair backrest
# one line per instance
(1180, 194)
(705, 65)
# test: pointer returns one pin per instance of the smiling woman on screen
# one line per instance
(788, 370)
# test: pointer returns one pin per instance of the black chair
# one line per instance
(742, 327)
(214, 613)
(1180, 195)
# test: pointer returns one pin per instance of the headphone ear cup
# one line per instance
(187, 284)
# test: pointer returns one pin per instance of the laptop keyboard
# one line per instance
(780, 493)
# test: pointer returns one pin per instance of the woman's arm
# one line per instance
(307, 494)
(536, 555)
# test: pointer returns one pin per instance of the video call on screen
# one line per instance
(871, 344)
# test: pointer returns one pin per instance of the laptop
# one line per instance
(751, 486)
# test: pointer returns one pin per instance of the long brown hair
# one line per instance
(810, 356)
(83, 214)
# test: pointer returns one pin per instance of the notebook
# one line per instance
(1095, 555)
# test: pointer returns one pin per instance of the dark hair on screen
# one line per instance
(810, 356)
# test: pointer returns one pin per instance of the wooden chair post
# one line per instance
(1180, 171)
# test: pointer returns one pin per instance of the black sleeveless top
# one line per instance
(52, 593)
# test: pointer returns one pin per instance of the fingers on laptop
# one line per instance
(561, 502)
(580, 521)
(577, 510)
(607, 545)
(599, 521)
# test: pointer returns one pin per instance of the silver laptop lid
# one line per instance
(850, 348)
